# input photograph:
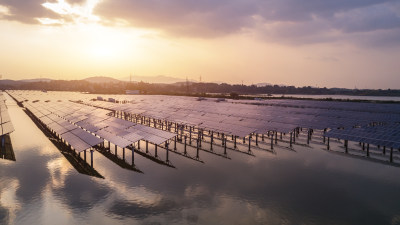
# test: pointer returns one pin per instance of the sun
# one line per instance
(104, 50)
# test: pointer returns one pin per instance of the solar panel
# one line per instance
(7, 128)
(78, 144)
(119, 141)
(90, 139)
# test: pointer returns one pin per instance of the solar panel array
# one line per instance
(6, 124)
(244, 117)
(78, 139)
(85, 126)
(235, 117)
(381, 135)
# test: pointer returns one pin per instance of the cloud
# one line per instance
(26, 11)
(49, 12)
(76, 13)
(281, 21)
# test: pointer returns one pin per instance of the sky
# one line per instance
(322, 43)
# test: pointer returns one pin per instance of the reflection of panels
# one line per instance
(90, 139)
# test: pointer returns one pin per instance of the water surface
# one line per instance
(304, 186)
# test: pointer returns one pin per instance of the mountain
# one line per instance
(155, 79)
(101, 80)
(36, 80)
(9, 83)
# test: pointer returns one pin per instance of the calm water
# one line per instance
(305, 186)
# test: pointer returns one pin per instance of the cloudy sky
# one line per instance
(332, 43)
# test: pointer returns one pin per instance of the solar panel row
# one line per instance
(6, 124)
(384, 135)
(63, 115)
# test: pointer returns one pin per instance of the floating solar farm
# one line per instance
(6, 151)
(187, 126)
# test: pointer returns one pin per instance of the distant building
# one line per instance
(111, 99)
(132, 92)
(99, 98)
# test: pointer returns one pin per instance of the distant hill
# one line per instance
(161, 79)
(101, 80)
(36, 80)
(9, 83)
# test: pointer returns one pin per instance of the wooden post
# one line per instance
(190, 135)
(391, 154)
(328, 147)
(272, 141)
(199, 138)
(249, 142)
(256, 139)
(166, 145)
(91, 158)
(225, 146)
(234, 141)
(155, 150)
(198, 149)
(368, 149)
(291, 138)
(185, 152)
(175, 143)
(294, 136)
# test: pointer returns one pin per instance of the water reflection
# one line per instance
(7, 151)
(309, 186)
(80, 165)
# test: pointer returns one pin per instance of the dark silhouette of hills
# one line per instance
(99, 80)
(107, 85)
(160, 79)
